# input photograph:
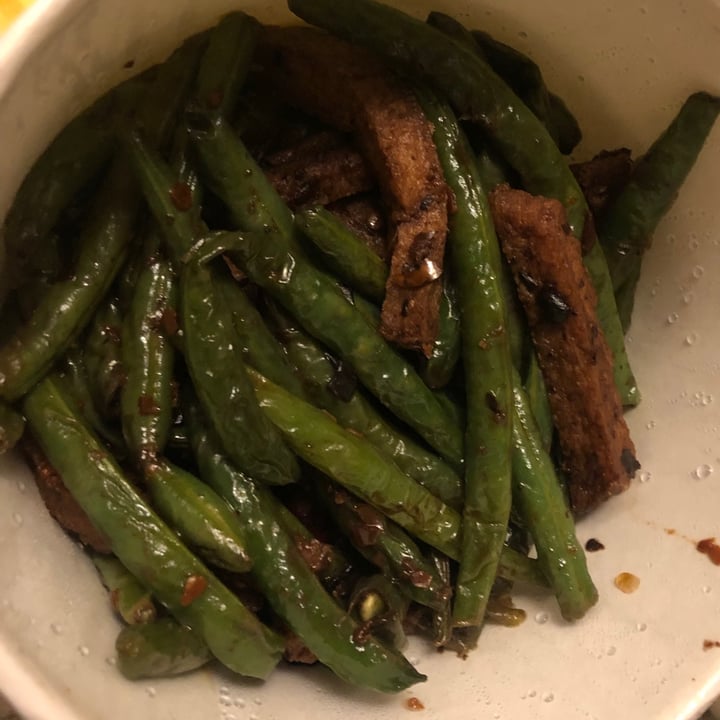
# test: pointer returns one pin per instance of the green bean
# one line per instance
(147, 358)
(501, 612)
(204, 521)
(612, 327)
(567, 129)
(491, 169)
(525, 78)
(380, 608)
(69, 304)
(132, 602)
(522, 75)
(516, 567)
(168, 197)
(332, 567)
(476, 91)
(226, 62)
(360, 416)
(316, 301)
(103, 357)
(367, 309)
(440, 366)
(259, 347)
(163, 648)
(222, 384)
(233, 175)
(442, 618)
(289, 584)
(541, 502)
(386, 546)
(75, 157)
(354, 463)
(12, 426)
(74, 372)
(628, 224)
(142, 542)
(538, 402)
(346, 255)
(625, 296)
(147, 394)
(476, 266)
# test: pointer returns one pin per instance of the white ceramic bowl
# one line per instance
(624, 67)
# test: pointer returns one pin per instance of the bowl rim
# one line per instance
(28, 32)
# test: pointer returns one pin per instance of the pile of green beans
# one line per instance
(187, 373)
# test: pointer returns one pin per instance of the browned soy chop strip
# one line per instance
(351, 89)
(319, 170)
(560, 302)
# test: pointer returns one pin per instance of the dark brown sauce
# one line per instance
(709, 547)
(593, 545)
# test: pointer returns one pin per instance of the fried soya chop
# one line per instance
(598, 455)
(351, 89)
(321, 169)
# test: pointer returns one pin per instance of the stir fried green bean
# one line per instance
(174, 370)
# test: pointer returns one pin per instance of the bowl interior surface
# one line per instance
(624, 68)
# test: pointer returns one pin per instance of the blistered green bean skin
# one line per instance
(539, 403)
(163, 648)
(387, 546)
(476, 265)
(148, 357)
(289, 584)
(69, 304)
(128, 597)
(525, 78)
(345, 254)
(356, 465)
(102, 356)
(541, 503)
(628, 224)
(233, 175)
(179, 226)
(359, 415)
(220, 378)
(318, 304)
(259, 347)
(612, 327)
(334, 567)
(204, 521)
(12, 426)
(440, 366)
(73, 370)
(147, 547)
